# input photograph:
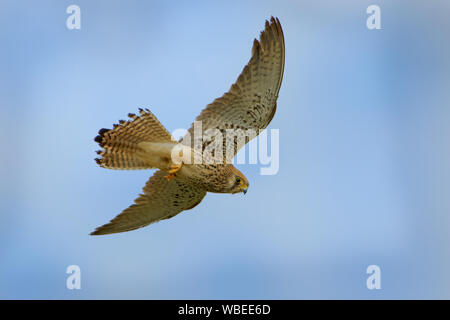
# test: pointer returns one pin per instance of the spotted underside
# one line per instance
(250, 104)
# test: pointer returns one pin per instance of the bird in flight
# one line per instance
(181, 183)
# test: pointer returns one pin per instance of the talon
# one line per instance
(170, 177)
(172, 170)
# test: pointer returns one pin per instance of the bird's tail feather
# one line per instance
(121, 144)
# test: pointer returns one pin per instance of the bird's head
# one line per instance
(237, 182)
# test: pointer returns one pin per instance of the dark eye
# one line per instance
(238, 180)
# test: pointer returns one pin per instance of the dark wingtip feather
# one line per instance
(102, 131)
(102, 230)
(98, 139)
(101, 134)
(255, 47)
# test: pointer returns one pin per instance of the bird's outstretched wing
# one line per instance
(251, 101)
(162, 199)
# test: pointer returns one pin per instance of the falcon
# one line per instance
(181, 183)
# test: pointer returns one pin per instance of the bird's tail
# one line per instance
(121, 144)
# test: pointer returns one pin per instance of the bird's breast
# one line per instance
(207, 176)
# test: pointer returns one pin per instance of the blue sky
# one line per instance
(364, 157)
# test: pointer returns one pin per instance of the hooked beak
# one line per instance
(244, 189)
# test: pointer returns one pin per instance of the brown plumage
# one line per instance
(120, 143)
(251, 101)
(144, 143)
(162, 199)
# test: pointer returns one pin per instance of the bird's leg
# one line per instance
(172, 169)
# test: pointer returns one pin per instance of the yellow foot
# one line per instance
(174, 168)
